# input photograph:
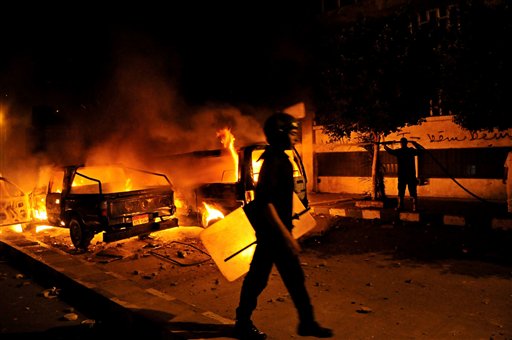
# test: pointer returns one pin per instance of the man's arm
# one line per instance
(275, 220)
(387, 148)
(417, 146)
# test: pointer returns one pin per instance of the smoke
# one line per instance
(144, 118)
(137, 119)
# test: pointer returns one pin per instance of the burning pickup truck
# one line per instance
(119, 201)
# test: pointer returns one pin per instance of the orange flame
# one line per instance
(39, 209)
(17, 228)
(228, 141)
(211, 214)
(40, 228)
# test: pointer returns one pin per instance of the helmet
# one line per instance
(277, 127)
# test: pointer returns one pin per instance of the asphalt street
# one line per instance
(368, 279)
(32, 309)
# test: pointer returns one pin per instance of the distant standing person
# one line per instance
(406, 171)
(275, 242)
(508, 180)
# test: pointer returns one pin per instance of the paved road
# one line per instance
(369, 279)
(33, 310)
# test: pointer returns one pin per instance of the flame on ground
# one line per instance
(17, 228)
(40, 228)
(211, 214)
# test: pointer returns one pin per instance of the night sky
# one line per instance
(212, 51)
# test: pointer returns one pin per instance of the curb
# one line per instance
(390, 215)
(145, 312)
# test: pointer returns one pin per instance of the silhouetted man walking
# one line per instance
(275, 243)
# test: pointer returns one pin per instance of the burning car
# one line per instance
(230, 183)
(14, 204)
(119, 201)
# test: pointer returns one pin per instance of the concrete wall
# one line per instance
(438, 132)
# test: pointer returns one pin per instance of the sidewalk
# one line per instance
(451, 212)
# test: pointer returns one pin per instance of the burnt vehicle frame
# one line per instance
(14, 204)
(88, 204)
(226, 196)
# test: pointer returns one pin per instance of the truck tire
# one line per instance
(80, 236)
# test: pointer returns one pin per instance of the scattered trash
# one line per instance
(364, 310)
(88, 322)
(51, 293)
(149, 276)
(193, 254)
(408, 281)
(113, 254)
(70, 316)
(19, 276)
(151, 245)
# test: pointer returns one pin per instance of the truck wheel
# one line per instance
(80, 237)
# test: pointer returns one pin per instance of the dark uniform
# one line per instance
(271, 216)
(275, 185)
